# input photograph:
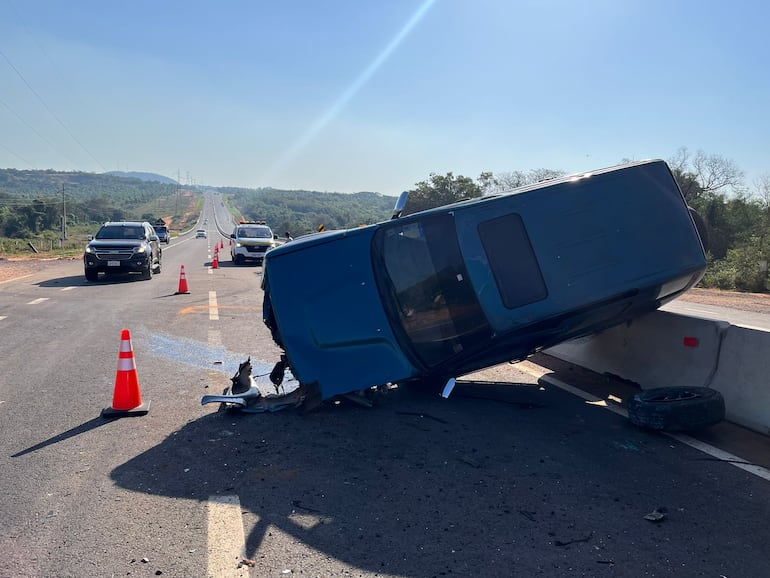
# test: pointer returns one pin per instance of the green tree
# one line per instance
(440, 190)
(703, 174)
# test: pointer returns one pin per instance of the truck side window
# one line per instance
(512, 260)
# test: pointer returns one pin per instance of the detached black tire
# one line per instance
(676, 408)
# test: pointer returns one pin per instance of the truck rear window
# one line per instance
(427, 288)
(512, 260)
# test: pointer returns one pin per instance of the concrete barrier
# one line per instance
(660, 349)
(665, 349)
(743, 377)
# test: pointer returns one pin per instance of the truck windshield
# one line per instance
(427, 290)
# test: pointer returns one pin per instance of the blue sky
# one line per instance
(374, 95)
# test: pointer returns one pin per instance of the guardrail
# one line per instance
(665, 349)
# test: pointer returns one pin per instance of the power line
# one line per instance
(32, 128)
(22, 159)
(51, 112)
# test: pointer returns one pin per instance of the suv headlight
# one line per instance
(89, 249)
(140, 249)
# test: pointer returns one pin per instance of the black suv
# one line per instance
(164, 236)
(123, 247)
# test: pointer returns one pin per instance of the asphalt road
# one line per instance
(513, 475)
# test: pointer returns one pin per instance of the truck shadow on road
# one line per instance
(496, 480)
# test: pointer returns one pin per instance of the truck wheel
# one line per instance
(91, 275)
(147, 273)
(676, 408)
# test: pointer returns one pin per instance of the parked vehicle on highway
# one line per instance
(434, 295)
(164, 235)
(251, 241)
(123, 247)
(201, 234)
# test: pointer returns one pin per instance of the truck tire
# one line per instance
(676, 408)
(91, 275)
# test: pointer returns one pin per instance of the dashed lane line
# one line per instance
(226, 541)
(213, 307)
(37, 301)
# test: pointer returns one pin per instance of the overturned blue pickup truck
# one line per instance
(435, 295)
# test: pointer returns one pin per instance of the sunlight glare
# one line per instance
(316, 127)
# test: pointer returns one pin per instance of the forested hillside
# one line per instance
(300, 212)
(32, 202)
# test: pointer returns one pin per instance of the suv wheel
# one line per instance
(147, 273)
(91, 275)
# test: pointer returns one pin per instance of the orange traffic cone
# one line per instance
(127, 398)
(215, 262)
(182, 283)
(221, 244)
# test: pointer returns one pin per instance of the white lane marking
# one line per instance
(226, 541)
(215, 338)
(70, 288)
(697, 310)
(707, 449)
(3, 317)
(592, 399)
(751, 327)
(213, 307)
(37, 301)
(722, 455)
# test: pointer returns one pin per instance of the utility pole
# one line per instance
(63, 219)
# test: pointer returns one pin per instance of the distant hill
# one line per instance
(142, 176)
(31, 202)
(301, 212)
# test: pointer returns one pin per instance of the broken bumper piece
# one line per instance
(252, 400)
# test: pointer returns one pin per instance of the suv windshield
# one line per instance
(427, 288)
(113, 232)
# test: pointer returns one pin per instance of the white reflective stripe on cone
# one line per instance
(126, 364)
